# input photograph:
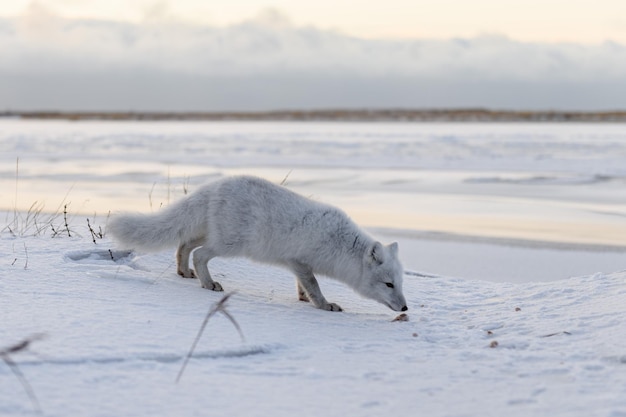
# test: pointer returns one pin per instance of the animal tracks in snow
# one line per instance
(108, 263)
(242, 352)
(123, 257)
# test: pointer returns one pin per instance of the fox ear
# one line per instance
(394, 248)
(377, 253)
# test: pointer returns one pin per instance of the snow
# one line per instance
(118, 331)
(498, 324)
(500, 260)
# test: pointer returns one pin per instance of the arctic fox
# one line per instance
(254, 218)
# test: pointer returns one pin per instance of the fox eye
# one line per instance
(389, 284)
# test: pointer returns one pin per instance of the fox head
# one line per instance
(381, 278)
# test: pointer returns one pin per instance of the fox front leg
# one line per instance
(309, 289)
(201, 258)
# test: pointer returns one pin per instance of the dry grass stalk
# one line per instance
(94, 234)
(219, 307)
(5, 355)
(284, 181)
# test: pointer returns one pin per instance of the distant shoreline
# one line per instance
(357, 115)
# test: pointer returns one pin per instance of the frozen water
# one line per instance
(549, 182)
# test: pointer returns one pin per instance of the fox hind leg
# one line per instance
(182, 257)
(302, 295)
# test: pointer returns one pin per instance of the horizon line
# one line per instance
(469, 114)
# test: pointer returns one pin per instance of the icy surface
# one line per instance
(550, 182)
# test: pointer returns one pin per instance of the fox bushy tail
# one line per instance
(152, 232)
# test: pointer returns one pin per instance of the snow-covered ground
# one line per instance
(512, 238)
(118, 331)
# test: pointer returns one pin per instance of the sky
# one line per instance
(195, 55)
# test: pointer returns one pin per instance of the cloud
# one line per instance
(39, 48)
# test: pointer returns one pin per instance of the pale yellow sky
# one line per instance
(582, 21)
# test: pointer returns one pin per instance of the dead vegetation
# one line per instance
(6, 355)
(218, 307)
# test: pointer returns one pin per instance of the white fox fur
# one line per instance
(254, 218)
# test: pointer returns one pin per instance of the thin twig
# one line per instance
(94, 234)
(150, 194)
(557, 333)
(67, 227)
(106, 223)
(186, 184)
(26, 252)
(17, 172)
(169, 184)
(284, 181)
(163, 272)
(219, 307)
(5, 354)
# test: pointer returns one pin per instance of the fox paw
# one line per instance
(187, 274)
(332, 307)
(213, 286)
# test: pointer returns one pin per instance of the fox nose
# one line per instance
(405, 308)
